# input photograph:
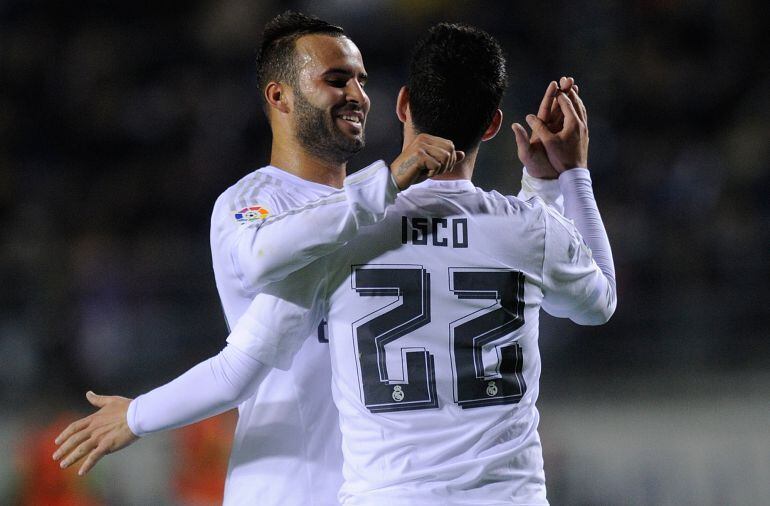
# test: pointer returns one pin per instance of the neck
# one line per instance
(462, 170)
(294, 159)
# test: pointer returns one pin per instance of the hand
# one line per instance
(96, 435)
(568, 147)
(530, 150)
(426, 156)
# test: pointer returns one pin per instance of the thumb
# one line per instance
(538, 127)
(460, 155)
(522, 139)
(96, 400)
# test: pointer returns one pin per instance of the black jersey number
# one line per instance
(503, 382)
(413, 384)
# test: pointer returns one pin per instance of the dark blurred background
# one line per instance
(120, 124)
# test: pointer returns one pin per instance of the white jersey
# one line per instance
(286, 449)
(433, 325)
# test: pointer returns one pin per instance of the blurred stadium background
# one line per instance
(121, 122)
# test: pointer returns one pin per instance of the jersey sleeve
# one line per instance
(209, 388)
(280, 318)
(547, 189)
(267, 336)
(267, 250)
(575, 285)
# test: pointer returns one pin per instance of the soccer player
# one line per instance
(433, 313)
(240, 369)
(277, 219)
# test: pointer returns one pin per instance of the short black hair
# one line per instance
(456, 82)
(276, 58)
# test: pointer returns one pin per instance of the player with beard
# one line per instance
(433, 311)
(272, 222)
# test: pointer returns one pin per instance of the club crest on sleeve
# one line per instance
(251, 213)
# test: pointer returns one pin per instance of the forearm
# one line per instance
(580, 207)
(211, 387)
(291, 240)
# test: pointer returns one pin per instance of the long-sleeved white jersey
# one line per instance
(286, 449)
(433, 325)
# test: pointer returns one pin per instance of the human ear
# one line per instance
(277, 97)
(494, 126)
(402, 105)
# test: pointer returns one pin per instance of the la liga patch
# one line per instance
(251, 213)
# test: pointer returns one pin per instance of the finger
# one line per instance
(523, 144)
(576, 88)
(538, 127)
(72, 428)
(431, 166)
(579, 106)
(440, 156)
(556, 121)
(93, 457)
(565, 83)
(522, 139)
(81, 451)
(71, 443)
(545, 104)
(570, 115)
(96, 400)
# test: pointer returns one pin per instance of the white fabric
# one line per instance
(580, 206)
(442, 453)
(286, 449)
(210, 388)
(547, 189)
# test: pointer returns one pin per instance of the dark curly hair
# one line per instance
(276, 58)
(456, 82)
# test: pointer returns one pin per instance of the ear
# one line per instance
(277, 97)
(402, 105)
(494, 126)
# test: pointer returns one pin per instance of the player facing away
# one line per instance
(286, 449)
(221, 381)
(433, 312)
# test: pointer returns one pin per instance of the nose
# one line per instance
(355, 93)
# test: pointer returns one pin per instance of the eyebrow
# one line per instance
(347, 72)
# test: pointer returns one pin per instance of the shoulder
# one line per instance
(255, 196)
(532, 210)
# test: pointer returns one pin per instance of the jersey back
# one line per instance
(433, 325)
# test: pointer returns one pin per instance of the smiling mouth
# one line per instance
(354, 122)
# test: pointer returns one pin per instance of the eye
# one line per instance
(337, 83)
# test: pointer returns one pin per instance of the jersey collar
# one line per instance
(295, 180)
(446, 184)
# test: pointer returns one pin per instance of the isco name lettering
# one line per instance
(442, 232)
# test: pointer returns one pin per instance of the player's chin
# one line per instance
(353, 142)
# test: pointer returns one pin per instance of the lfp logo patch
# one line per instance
(252, 213)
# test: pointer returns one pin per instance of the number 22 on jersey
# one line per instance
(475, 383)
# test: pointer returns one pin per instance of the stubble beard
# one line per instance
(317, 133)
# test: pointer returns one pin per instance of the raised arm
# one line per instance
(539, 178)
(269, 249)
(579, 272)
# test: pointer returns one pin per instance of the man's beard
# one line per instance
(319, 135)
